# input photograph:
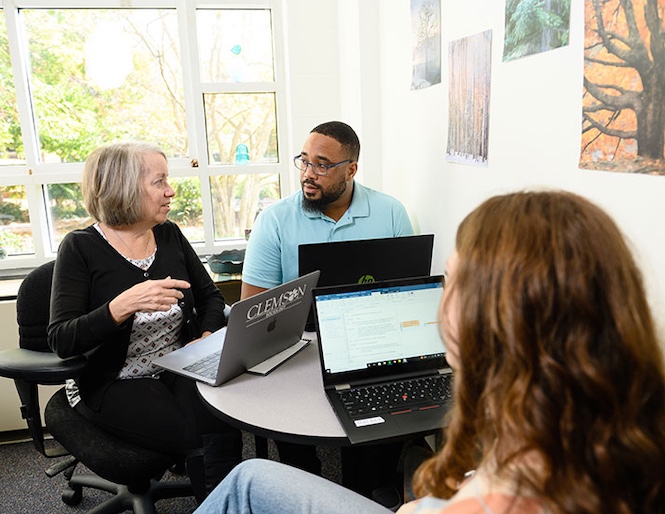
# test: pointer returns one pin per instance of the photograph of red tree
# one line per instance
(623, 102)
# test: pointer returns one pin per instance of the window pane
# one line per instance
(235, 45)
(11, 143)
(186, 209)
(66, 211)
(238, 199)
(241, 128)
(103, 75)
(15, 231)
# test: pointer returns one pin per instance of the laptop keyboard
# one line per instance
(207, 366)
(398, 397)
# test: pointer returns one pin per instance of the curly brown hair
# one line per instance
(559, 359)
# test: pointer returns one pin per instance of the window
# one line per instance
(200, 79)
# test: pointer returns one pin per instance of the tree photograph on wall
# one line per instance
(469, 63)
(535, 26)
(623, 98)
(426, 36)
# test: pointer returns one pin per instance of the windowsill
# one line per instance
(14, 273)
(10, 279)
(9, 288)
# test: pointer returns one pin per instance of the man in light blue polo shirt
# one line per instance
(330, 206)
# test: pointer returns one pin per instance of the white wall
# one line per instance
(333, 74)
(351, 60)
(535, 120)
(312, 59)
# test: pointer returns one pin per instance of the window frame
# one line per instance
(35, 175)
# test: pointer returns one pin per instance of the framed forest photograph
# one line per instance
(470, 62)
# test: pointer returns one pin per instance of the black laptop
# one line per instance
(382, 339)
(366, 260)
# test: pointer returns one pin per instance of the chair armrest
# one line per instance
(40, 367)
(29, 368)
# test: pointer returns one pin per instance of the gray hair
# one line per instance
(113, 182)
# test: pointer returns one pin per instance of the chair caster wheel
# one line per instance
(72, 496)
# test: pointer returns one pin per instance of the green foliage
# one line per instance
(74, 114)
(68, 109)
(11, 143)
(534, 26)
(269, 191)
(11, 212)
(14, 243)
(66, 201)
(186, 205)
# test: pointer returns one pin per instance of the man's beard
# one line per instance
(326, 198)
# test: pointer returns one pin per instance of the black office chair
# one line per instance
(129, 472)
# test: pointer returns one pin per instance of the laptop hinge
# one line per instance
(445, 371)
(342, 387)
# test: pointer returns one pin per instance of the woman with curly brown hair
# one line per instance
(560, 395)
(559, 381)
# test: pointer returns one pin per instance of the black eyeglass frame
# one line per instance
(318, 169)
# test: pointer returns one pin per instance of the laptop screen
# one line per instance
(367, 260)
(384, 327)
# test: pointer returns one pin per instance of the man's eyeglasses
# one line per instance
(317, 168)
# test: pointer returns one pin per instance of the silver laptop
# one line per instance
(262, 332)
(382, 359)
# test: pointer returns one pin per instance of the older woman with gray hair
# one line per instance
(130, 288)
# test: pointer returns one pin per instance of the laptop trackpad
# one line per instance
(265, 367)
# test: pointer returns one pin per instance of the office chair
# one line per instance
(129, 472)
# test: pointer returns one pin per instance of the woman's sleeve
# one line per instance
(74, 328)
(208, 299)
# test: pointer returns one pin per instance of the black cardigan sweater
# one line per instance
(89, 273)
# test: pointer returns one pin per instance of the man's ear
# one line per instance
(352, 169)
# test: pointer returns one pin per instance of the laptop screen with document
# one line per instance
(366, 330)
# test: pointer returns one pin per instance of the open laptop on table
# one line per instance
(366, 260)
(378, 337)
(262, 332)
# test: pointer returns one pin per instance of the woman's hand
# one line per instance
(148, 296)
(206, 333)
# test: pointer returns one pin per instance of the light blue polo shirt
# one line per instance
(271, 257)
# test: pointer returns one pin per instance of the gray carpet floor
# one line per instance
(26, 489)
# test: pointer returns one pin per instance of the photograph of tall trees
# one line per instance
(469, 99)
(535, 26)
(623, 102)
